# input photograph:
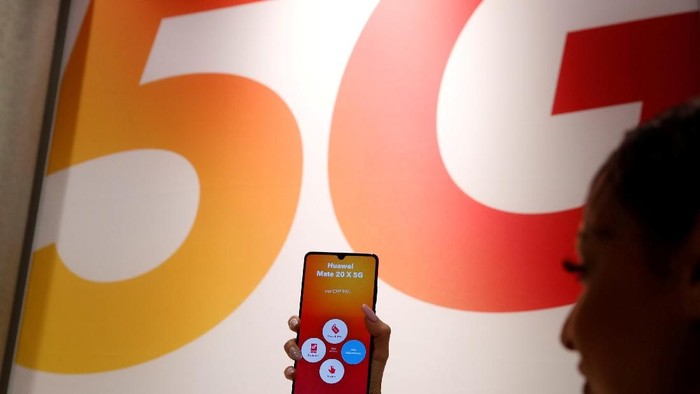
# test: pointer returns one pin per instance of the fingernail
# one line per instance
(293, 323)
(294, 352)
(289, 371)
(369, 313)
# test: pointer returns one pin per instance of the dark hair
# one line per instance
(655, 176)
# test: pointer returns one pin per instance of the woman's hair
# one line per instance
(655, 177)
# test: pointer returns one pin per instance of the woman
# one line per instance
(636, 322)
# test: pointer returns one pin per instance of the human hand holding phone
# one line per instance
(334, 349)
(380, 332)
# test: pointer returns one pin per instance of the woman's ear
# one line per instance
(692, 292)
(695, 273)
(690, 283)
(690, 275)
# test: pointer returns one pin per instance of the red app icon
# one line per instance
(314, 348)
(335, 329)
(331, 369)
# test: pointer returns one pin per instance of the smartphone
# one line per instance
(335, 344)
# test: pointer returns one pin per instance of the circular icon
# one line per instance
(331, 371)
(313, 350)
(353, 352)
(335, 331)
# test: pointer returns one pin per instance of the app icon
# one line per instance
(335, 331)
(331, 371)
(353, 352)
(313, 350)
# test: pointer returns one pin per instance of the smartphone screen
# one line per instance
(335, 344)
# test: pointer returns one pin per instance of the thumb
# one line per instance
(380, 332)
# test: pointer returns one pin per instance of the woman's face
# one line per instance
(627, 324)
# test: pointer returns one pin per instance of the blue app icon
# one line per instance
(353, 352)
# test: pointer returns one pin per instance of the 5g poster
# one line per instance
(200, 149)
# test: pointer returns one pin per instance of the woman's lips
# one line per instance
(586, 385)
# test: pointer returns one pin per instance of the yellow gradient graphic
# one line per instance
(245, 146)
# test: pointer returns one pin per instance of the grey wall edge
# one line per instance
(23, 187)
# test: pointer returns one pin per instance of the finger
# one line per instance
(292, 350)
(293, 323)
(381, 332)
(290, 373)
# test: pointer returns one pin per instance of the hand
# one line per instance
(380, 332)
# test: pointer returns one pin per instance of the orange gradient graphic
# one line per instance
(245, 146)
(393, 195)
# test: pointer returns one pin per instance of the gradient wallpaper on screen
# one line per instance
(334, 290)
